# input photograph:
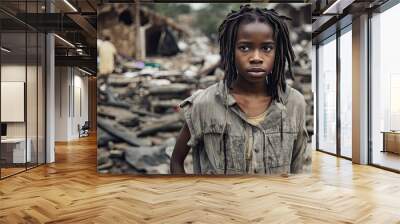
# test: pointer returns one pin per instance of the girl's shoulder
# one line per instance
(294, 98)
(295, 105)
(202, 97)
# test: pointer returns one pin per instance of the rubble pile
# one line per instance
(138, 113)
(300, 36)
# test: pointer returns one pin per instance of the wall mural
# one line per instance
(164, 107)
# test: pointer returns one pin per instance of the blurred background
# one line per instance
(151, 57)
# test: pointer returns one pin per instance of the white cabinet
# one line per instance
(17, 145)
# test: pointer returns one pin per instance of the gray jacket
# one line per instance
(218, 141)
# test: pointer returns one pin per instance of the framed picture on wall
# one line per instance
(12, 101)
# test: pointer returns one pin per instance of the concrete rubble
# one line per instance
(138, 113)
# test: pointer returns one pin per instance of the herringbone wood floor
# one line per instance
(70, 191)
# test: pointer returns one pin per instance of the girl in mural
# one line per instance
(251, 122)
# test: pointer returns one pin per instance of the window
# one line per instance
(346, 92)
(327, 95)
(385, 88)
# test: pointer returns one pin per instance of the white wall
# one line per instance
(71, 94)
(14, 73)
(80, 110)
(33, 126)
(61, 103)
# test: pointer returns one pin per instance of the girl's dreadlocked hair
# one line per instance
(284, 52)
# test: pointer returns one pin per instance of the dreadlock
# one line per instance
(284, 52)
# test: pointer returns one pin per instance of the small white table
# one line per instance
(18, 150)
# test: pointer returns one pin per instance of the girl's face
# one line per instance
(254, 51)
